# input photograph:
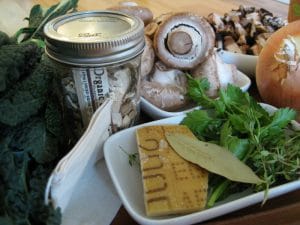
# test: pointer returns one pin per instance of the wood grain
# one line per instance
(13, 12)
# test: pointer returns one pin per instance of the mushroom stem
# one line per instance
(179, 42)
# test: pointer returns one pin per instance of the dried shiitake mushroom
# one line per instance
(244, 30)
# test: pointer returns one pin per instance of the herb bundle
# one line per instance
(266, 143)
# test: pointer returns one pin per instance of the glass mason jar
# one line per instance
(98, 54)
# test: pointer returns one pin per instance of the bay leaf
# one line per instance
(212, 157)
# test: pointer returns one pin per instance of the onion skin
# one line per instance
(277, 85)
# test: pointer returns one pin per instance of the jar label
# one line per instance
(92, 89)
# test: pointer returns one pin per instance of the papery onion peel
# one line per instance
(278, 68)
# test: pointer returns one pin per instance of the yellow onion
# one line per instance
(278, 68)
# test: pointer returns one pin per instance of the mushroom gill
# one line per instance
(183, 40)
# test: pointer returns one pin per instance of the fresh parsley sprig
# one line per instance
(237, 121)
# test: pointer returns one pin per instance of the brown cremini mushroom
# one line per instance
(148, 57)
(218, 73)
(166, 88)
(134, 9)
(183, 40)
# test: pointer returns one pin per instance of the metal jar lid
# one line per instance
(94, 38)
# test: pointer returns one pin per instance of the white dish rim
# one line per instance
(196, 217)
(157, 113)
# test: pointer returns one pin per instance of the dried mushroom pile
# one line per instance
(244, 30)
(176, 44)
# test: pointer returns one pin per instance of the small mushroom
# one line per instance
(168, 76)
(134, 9)
(148, 57)
(166, 88)
(183, 40)
(218, 73)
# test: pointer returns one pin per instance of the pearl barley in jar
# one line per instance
(98, 54)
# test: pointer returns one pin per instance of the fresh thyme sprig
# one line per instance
(133, 158)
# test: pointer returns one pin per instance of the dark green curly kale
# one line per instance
(16, 62)
(4, 39)
(27, 97)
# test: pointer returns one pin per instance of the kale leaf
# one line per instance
(27, 97)
(17, 61)
(31, 143)
(39, 16)
(4, 39)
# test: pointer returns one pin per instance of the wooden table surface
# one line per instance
(12, 12)
(284, 210)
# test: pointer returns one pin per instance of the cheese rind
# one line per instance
(171, 184)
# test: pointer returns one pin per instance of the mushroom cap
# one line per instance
(166, 88)
(143, 13)
(148, 57)
(218, 73)
(183, 40)
(168, 98)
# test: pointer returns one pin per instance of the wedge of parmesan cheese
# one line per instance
(171, 184)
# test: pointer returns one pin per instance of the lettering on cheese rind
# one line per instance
(186, 200)
(151, 140)
(159, 200)
(171, 184)
(160, 184)
(157, 161)
(196, 172)
(199, 195)
(179, 169)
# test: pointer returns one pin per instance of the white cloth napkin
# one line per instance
(80, 184)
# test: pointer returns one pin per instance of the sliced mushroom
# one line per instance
(216, 20)
(183, 40)
(134, 9)
(218, 73)
(262, 38)
(148, 57)
(150, 29)
(244, 25)
(166, 88)
(231, 45)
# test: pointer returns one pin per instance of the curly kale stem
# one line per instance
(217, 193)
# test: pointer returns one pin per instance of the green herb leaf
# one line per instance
(264, 142)
(39, 16)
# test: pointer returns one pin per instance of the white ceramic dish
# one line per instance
(128, 183)
(153, 111)
(243, 62)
